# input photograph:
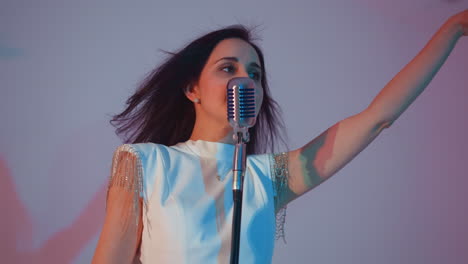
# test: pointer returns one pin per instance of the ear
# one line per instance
(192, 93)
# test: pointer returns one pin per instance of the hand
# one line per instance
(461, 20)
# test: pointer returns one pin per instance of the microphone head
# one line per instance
(241, 112)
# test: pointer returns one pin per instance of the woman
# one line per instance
(169, 198)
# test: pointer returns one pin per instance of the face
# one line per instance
(230, 58)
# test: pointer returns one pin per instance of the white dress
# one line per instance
(187, 194)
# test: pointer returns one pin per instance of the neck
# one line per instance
(211, 131)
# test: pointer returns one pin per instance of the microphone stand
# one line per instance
(241, 115)
(237, 187)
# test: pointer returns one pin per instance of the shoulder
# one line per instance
(259, 160)
(261, 163)
(144, 156)
(275, 167)
(269, 161)
(140, 149)
(152, 156)
(139, 164)
(145, 151)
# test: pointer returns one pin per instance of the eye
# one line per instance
(229, 68)
(255, 75)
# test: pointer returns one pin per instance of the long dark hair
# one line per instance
(159, 111)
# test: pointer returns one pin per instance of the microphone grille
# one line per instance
(241, 102)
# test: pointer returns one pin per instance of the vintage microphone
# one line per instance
(241, 116)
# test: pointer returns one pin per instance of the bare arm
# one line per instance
(121, 233)
(325, 155)
(119, 239)
(411, 81)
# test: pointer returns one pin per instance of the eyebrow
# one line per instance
(254, 64)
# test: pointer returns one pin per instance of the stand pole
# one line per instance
(237, 191)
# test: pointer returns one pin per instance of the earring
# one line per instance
(196, 100)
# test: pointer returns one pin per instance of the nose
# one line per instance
(242, 72)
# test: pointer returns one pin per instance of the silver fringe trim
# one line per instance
(127, 173)
(280, 175)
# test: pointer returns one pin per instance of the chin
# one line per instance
(227, 127)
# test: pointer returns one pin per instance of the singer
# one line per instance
(169, 197)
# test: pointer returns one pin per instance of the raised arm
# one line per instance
(325, 155)
(121, 233)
